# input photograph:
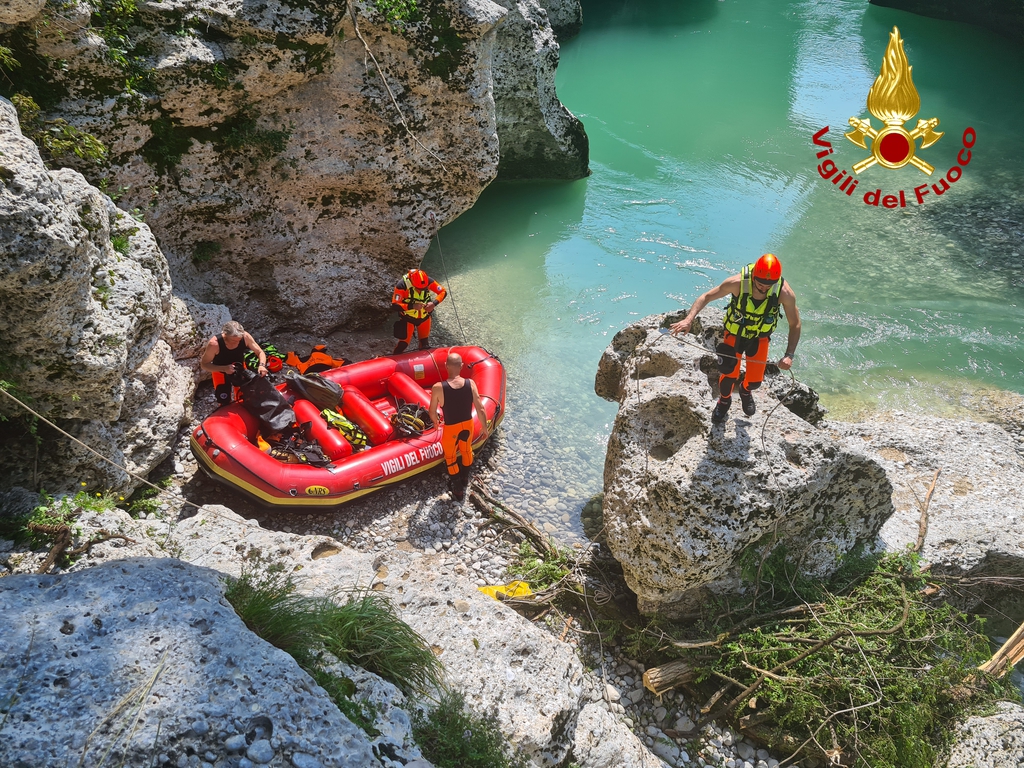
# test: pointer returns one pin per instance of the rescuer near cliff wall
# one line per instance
(753, 313)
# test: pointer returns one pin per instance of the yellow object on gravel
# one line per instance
(512, 589)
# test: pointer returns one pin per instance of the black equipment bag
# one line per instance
(263, 400)
(323, 393)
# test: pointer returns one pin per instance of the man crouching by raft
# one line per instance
(458, 397)
(750, 319)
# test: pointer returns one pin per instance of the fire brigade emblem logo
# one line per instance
(894, 100)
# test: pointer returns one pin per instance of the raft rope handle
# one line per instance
(447, 277)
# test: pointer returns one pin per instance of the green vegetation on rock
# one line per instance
(57, 139)
(863, 668)
(364, 631)
(451, 736)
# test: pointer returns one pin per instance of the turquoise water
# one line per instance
(700, 116)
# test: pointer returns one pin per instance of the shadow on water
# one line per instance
(600, 14)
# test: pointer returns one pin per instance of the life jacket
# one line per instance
(355, 436)
(406, 294)
(317, 360)
(747, 319)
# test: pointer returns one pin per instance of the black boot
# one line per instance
(424, 344)
(721, 411)
(747, 400)
(400, 347)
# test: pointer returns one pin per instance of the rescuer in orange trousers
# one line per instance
(458, 396)
(757, 293)
(416, 296)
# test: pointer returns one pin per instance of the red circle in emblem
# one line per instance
(894, 148)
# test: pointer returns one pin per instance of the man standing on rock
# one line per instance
(752, 315)
(458, 397)
(224, 352)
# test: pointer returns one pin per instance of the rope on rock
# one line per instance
(447, 277)
(394, 101)
(144, 481)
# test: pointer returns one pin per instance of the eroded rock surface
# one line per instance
(686, 499)
(294, 157)
(995, 741)
(540, 138)
(143, 659)
(974, 514)
(86, 295)
(502, 664)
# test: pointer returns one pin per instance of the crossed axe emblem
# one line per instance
(893, 146)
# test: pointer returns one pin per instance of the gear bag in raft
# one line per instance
(323, 393)
(263, 400)
(297, 448)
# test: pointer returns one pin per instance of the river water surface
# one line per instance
(701, 116)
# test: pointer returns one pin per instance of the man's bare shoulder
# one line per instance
(787, 292)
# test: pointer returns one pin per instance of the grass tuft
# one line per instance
(450, 736)
(364, 631)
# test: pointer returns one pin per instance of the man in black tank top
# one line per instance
(458, 396)
(226, 350)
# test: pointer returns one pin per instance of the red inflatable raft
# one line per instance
(225, 443)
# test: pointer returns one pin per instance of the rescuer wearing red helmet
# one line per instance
(415, 297)
(753, 313)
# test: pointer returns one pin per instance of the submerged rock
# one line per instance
(686, 500)
(1004, 17)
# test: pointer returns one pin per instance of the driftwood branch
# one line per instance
(922, 523)
(63, 537)
(493, 508)
(1006, 657)
(659, 680)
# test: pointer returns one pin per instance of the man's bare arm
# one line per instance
(788, 301)
(729, 285)
(436, 399)
(479, 405)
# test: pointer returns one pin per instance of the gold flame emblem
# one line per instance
(894, 100)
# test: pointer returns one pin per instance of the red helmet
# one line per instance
(419, 279)
(274, 364)
(768, 267)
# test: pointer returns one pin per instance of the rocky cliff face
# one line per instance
(1004, 17)
(540, 138)
(89, 328)
(687, 502)
(292, 158)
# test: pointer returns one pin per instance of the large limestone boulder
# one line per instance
(972, 523)
(295, 157)
(565, 16)
(685, 500)
(87, 294)
(143, 659)
(502, 664)
(540, 138)
(993, 741)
